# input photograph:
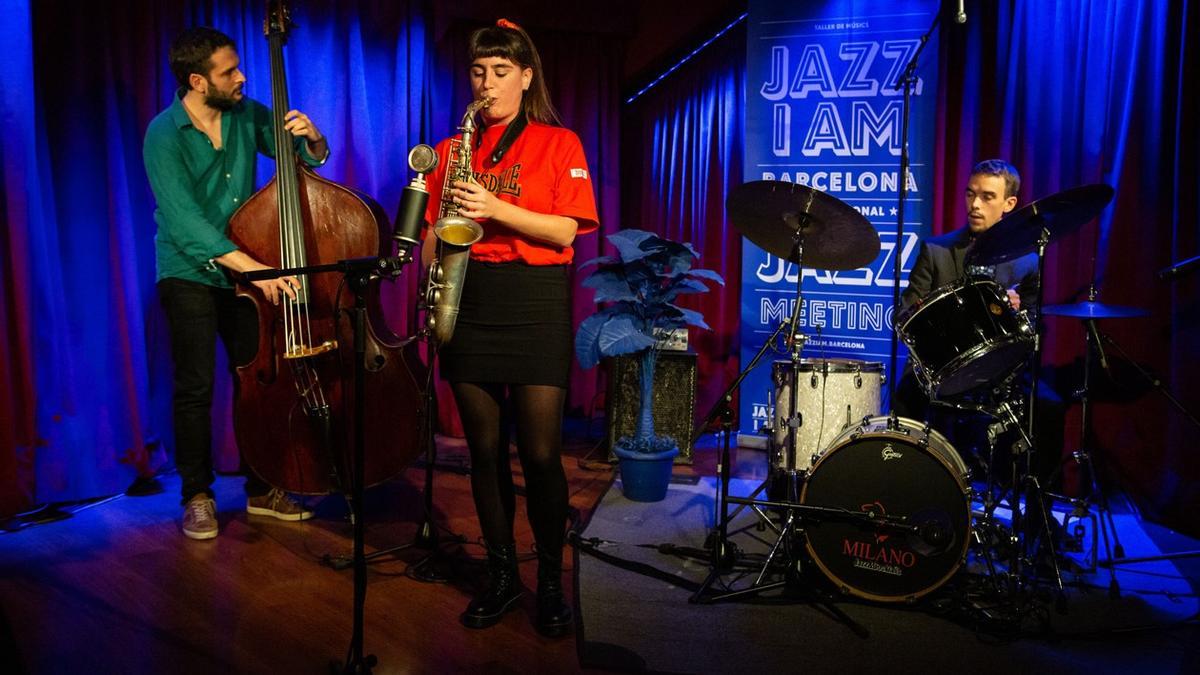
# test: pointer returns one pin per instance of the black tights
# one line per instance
(537, 412)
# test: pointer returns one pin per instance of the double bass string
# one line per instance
(296, 313)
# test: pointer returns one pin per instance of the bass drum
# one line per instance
(904, 472)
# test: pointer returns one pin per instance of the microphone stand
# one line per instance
(358, 274)
(909, 80)
(434, 567)
(1179, 269)
(1161, 388)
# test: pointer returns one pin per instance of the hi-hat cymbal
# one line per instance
(1060, 214)
(833, 234)
(1094, 310)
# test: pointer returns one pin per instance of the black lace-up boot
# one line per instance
(553, 614)
(504, 589)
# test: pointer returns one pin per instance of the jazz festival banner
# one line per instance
(822, 111)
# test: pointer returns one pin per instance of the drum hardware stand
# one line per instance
(717, 541)
(986, 523)
(787, 533)
(795, 342)
(1024, 446)
(1102, 523)
(1023, 484)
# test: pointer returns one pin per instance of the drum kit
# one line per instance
(883, 506)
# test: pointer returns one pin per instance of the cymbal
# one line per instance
(1017, 233)
(834, 236)
(1094, 310)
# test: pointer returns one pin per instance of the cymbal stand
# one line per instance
(717, 541)
(795, 341)
(1104, 525)
(1030, 486)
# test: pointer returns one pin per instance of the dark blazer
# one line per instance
(941, 261)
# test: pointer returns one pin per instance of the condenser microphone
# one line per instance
(411, 215)
(961, 17)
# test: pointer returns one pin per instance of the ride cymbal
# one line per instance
(773, 214)
(1017, 234)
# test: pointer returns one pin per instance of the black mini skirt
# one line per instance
(514, 326)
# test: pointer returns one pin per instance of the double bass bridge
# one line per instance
(300, 351)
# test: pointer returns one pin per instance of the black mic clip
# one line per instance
(390, 267)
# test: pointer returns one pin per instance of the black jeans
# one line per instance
(197, 314)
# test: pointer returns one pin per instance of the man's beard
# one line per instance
(215, 98)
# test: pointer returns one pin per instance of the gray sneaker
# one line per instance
(277, 504)
(200, 517)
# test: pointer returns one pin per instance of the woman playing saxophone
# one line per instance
(508, 358)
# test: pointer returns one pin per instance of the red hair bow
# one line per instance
(505, 23)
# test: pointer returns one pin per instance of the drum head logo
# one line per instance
(878, 556)
(890, 453)
(876, 509)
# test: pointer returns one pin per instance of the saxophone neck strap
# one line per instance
(509, 136)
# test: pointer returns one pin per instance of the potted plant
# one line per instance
(637, 290)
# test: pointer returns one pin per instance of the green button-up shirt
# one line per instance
(197, 187)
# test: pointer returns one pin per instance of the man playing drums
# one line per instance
(991, 193)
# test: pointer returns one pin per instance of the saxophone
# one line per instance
(455, 234)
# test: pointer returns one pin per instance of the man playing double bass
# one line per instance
(991, 194)
(200, 155)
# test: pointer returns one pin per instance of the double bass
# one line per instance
(294, 404)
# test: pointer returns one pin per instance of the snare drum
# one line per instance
(908, 473)
(963, 336)
(833, 394)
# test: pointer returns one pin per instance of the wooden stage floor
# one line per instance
(116, 587)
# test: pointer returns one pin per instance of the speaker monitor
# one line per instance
(674, 404)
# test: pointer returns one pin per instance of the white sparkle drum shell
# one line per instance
(907, 473)
(833, 395)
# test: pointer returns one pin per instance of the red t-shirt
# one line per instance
(543, 171)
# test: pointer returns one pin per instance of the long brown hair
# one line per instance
(509, 41)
